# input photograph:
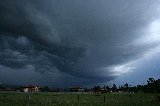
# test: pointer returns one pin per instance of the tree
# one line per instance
(45, 89)
(96, 88)
(114, 88)
(126, 87)
(107, 87)
(153, 85)
(151, 80)
(104, 87)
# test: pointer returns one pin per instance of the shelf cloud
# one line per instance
(75, 42)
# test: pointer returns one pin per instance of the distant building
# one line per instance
(75, 89)
(80, 90)
(31, 88)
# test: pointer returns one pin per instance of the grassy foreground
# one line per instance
(85, 99)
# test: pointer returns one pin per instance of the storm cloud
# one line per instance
(75, 42)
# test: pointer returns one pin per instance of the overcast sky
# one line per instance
(79, 42)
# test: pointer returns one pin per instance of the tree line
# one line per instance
(152, 86)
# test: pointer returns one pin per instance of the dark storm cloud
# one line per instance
(22, 51)
(85, 39)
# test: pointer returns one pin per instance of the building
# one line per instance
(31, 88)
(75, 89)
(80, 90)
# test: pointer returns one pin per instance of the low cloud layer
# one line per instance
(75, 42)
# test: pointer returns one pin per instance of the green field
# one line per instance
(85, 99)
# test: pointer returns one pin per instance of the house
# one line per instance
(31, 88)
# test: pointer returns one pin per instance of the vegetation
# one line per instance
(152, 86)
(73, 99)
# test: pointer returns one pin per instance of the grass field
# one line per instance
(85, 99)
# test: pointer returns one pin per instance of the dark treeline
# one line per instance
(152, 86)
